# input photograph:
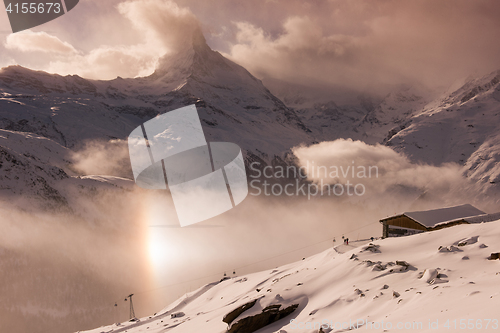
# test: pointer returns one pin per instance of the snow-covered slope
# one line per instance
(31, 166)
(39, 171)
(462, 127)
(394, 111)
(441, 277)
(452, 128)
(362, 116)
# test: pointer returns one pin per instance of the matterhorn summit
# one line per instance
(229, 99)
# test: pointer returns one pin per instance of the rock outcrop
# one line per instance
(269, 315)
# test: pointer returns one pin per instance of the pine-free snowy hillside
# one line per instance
(36, 173)
(233, 105)
(442, 278)
(462, 127)
(393, 112)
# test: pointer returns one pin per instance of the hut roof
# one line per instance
(430, 218)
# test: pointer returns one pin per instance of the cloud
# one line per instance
(162, 27)
(387, 176)
(29, 41)
(165, 27)
(303, 46)
(100, 248)
(359, 44)
(164, 21)
(367, 44)
(103, 158)
(343, 152)
(108, 62)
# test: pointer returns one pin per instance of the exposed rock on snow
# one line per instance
(269, 315)
(430, 275)
(451, 248)
(467, 241)
(404, 265)
(372, 248)
(228, 319)
(495, 256)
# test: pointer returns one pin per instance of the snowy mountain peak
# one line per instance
(184, 58)
(196, 62)
(474, 87)
(229, 99)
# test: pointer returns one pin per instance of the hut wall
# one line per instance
(404, 222)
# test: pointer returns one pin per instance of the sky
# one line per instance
(357, 44)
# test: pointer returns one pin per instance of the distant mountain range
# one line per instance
(459, 126)
(232, 104)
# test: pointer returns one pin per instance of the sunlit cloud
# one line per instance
(386, 175)
(164, 27)
(29, 41)
(370, 43)
(359, 44)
